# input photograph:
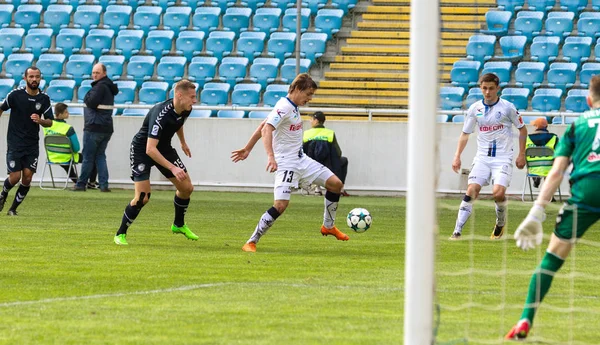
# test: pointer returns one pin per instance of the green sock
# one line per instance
(540, 284)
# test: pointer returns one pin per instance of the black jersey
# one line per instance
(23, 133)
(162, 122)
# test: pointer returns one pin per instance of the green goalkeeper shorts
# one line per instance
(581, 211)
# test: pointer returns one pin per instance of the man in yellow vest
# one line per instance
(60, 127)
(540, 137)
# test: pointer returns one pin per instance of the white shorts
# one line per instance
(497, 169)
(302, 172)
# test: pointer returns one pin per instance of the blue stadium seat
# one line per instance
(114, 65)
(540, 5)
(544, 49)
(281, 45)
(344, 5)
(465, 73)
(233, 69)
(596, 5)
(511, 5)
(577, 49)
(99, 41)
(101, 3)
(87, 17)
(57, 16)
(171, 69)
(201, 113)
(189, 43)
(219, 43)
(313, 45)
(126, 91)
(559, 24)
(231, 114)
(11, 39)
(6, 11)
(481, 47)
(193, 3)
(147, 18)
(6, 85)
(497, 22)
(502, 69)
(172, 91)
(206, 19)
(85, 86)
(117, 17)
(441, 118)
(576, 101)
(255, 114)
(69, 40)
(215, 94)
(474, 95)
(588, 24)
(202, 69)
(251, 44)
(289, 19)
(133, 3)
(164, 4)
(288, 69)
(458, 119)
(246, 94)
(135, 111)
(282, 4)
(159, 42)
(61, 90)
(557, 120)
(129, 42)
(588, 70)
(27, 15)
(546, 100)
(451, 97)
(329, 21)
(222, 4)
(16, 64)
(573, 5)
(264, 71)
(316, 5)
(530, 75)
(140, 68)
(562, 75)
(266, 20)
(528, 119)
(51, 65)
(273, 93)
(38, 41)
(529, 24)
(177, 18)
(153, 92)
(236, 19)
(517, 96)
(251, 4)
(79, 67)
(513, 47)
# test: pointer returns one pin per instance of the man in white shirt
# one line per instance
(282, 139)
(494, 159)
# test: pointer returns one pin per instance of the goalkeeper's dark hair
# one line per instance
(489, 78)
(595, 88)
(302, 82)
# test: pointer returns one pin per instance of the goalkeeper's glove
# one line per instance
(529, 233)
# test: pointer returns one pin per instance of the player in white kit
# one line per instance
(282, 138)
(494, 159)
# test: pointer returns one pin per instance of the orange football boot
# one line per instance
(335, 232)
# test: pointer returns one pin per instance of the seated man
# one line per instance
(540, 137)
(60, 127)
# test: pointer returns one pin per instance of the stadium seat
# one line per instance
(481, 47)
(266, 20)
(288, 69)
(6, 11)
(546, 100)
(344, 5)
(451, 97)
(289, 19)
(281, 4)
(114, 65)
(206, 19)
(61, 90)
(588, 70)
(251, 44)
(231, 114)
(557, 120)
(544, 49)
(273, 93)
(316, 5)
(465, 73)
(6, 85)
(87, 17)
(233, 69)
(171, 69)
(215, 94)
(27, 15)
(101, 3)
(79, 67)
(458, 119)
(126, 91)
(264, 71)
(513, 48)
(236, 19)
(255, 114)
(281, 45)
(201, 113)
(528, 119)
(38, 41)
(559, 24)
(576, 101)
(441, 118)
(140, 68)
(596, 5)
(159, 42)
(11, 39)
(540, 5)
(147, 18)
(220, 43)
(134, 112)
(511, 5)
(529, 24)
(85, 86)
(562, 75)
(497, 22)
(251, 4)
(222, 4)
(246, 94)
(474, 95)
(51, 65)
(99, 41)
(530, 75)
(202, 69)
(189, 43)
(129, 42)
(16, 64)
(153, 92)
(577, 49)
(575, 6)
(517, 96)
(329, 21)
(588, 24)
(177, 18)
(313, 45)
(117, 17)
(502, 69)
(57, 16)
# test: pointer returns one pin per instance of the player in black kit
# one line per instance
(152, 146)
(27, 107)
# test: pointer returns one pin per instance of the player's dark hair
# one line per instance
(30, 68)
(489, 78)
(60, 108)
(184, 85)
(302, 82)
(595, 88)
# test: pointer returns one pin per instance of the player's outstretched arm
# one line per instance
(267, 134)
(184, 145)
(156, 156)
(522, 140)
(460, 147)
(243, 153)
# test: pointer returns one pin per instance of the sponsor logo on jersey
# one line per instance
(155, 130)
(490, 128)
(498, 115)
(593, 157)
(296, 127)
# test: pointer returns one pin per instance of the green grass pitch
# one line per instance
(63, 281)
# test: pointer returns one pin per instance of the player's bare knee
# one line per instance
(334, 185)
(499, 195)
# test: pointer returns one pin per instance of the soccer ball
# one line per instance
(359, 220)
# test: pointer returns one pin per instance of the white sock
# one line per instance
(501, 212)
(263, 225)
(464, 212)
(329, 214)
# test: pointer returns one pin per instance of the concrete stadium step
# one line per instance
(387, 59)
(406, 17)
(361, 92)
(353, 75)
(360, 101)
(379, 25)
(444, 10)
(382, 49)
(442, 2)
(401, 42)
(462, 36)
(370, 85)
(379, 66)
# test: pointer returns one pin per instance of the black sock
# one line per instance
(129, 216)
(20, 196)
(332, 196)
(181, 206)
(6, 188)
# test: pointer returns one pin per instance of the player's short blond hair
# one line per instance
(302, 82)
(184, 85)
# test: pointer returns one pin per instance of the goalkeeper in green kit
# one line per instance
(580, 145)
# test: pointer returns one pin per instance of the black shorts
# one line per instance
(141, 163)
(19, 160)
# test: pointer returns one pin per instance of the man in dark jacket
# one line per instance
(98, 127)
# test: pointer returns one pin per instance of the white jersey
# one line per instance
(495, 122)
(287, 137)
